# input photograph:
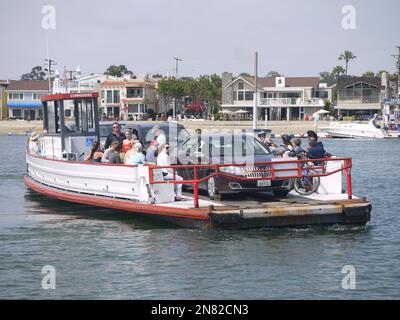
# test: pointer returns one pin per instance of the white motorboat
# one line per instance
(355, 130)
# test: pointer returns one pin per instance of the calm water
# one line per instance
(100, 254)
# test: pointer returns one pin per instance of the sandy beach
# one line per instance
(15, 127)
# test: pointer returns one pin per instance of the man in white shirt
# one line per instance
(168, 173)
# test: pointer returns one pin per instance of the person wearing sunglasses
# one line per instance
(116, 134)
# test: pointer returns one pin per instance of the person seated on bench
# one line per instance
(135, 156)
(163, 159)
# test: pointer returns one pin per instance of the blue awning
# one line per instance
(32, 104)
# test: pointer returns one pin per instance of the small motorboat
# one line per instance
(356, 130)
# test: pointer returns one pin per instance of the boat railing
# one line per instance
(271, 170)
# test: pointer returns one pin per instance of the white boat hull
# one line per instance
(116, 181)
(355, 130)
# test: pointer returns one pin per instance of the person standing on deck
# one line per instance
(163, 159)
(34, 144)
(116, 134)
(159, 136)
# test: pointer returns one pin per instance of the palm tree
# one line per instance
(347, 56)
(337, 71)
(368, 74)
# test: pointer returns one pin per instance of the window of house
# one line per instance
(16, 96)
(134, 92)
(240, 95)
(109, 96)
(241, 85)
(248, 95)
(17, 113)
(133, 108)
(116, 96)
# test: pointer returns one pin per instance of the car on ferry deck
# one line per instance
(226, 149)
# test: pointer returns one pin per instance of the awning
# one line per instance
(35, 104)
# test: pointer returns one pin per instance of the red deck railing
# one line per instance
(318, 167)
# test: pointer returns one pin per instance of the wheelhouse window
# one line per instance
(82, 117)
(52, 118)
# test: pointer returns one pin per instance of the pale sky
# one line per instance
(293, 37)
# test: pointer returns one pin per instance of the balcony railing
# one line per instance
(282, 102)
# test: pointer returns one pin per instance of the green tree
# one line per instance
(368, 74)
(337, 71)
(328, 106)
(325, 75)
(37, 73)
(117, 71)
(170, 89)
(244, 74)
(273, 74)
(347, 56)
(379, 73)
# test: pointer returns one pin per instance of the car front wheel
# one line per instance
(211, 188)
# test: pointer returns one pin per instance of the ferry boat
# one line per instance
(60, 172)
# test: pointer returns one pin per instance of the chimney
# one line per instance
(226, 78)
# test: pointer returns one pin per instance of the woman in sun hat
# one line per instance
(34, 144)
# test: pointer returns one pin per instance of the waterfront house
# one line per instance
(127, 97)
(23, 98)
(280, 98)
(359, 95)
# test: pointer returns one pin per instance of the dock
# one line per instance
(293, 211)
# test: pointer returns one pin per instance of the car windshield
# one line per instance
(149, 134)
(237, 145)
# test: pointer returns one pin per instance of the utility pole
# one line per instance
(50, 63)
(177, 60)
(70, 75)
(398, 72)
(176, 66)
(255, 90)
(397, 57)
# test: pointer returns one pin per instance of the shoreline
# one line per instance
(19, 127)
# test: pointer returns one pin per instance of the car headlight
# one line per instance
(232, 170)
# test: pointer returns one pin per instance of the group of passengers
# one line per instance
(126, 148)
(293, 148)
